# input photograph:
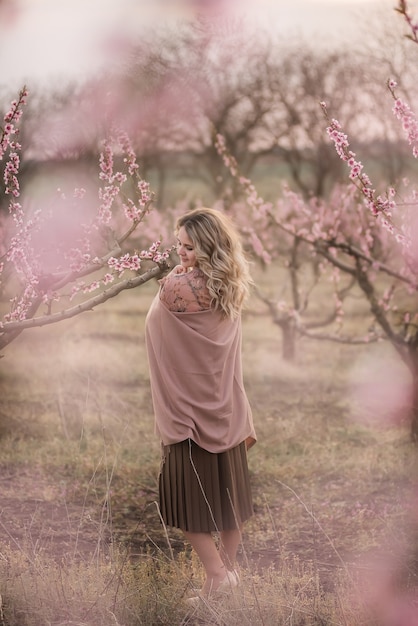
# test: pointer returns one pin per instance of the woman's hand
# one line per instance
(179, 269)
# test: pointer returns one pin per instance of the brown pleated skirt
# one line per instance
(204, 492)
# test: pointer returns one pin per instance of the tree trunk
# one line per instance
(414, 408)
(161, 176)
(288, 338)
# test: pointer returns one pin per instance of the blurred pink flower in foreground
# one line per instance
(9, 12)
(384, 598)
(380, 391)
(387, 576)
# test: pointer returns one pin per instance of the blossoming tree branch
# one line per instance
(46, 279)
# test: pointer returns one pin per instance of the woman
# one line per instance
(203, 418)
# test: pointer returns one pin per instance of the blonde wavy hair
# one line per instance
(220, 256)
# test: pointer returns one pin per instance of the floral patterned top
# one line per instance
(185, 292)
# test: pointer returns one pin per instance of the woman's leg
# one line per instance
(230, 540)
(215, 570)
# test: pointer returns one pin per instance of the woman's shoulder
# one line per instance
(184, 291)
(179, 275)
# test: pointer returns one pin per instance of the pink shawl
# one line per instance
(196, 378)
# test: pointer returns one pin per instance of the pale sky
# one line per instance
(51, 40)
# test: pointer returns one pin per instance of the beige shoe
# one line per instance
(194, 602)
(230, 581)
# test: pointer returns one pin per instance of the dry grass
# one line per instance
(80, 537)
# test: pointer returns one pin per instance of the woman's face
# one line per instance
(185, 249)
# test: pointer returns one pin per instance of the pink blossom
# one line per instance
(130, 157)
(11, 118)
(75, 290)
(409, 122)
(108, 278)
(106, 163)
(132, 212)
(125, 262)
(145, 193)
(403, 9)
(379, 206)
(162, 256)
(78, 259)
(92, 287)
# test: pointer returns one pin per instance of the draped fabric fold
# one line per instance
(196, 378)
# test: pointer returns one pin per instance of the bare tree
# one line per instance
(263, 97)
